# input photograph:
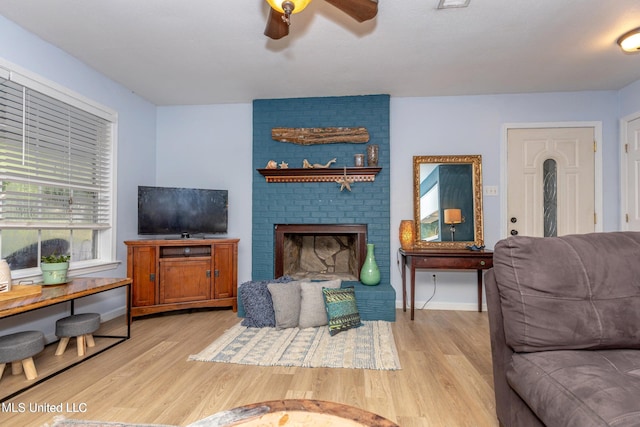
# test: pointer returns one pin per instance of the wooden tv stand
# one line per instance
(182, 273)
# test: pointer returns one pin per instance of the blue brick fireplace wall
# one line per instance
(319, 202)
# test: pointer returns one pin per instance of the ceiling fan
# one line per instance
(280, 13)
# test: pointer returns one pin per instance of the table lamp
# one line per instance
(453, 217)
(406, 234)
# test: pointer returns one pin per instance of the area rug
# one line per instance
(370, 346)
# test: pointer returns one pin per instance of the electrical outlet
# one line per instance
(490, 190)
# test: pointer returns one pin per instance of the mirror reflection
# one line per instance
(448, 201)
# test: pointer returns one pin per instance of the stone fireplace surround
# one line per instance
(320, 251)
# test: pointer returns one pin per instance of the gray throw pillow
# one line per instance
(312, 309)
(257, 303)
(286, 303)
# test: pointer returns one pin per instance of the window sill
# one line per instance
(34, 275)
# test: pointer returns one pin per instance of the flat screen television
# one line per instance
(186, 212)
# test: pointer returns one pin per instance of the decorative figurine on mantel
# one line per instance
(271, 164)
(345, 181)
(307, 165)
(284, 165)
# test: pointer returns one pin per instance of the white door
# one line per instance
(551, 181)
(632, 149)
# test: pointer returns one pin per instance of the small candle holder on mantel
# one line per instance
(372, 155)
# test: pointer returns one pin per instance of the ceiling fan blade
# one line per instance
(276, 27)
(360, 10)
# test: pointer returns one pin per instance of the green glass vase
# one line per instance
(370, 273)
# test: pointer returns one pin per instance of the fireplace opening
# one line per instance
(320, 251)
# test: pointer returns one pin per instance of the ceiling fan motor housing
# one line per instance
(281, 10)
(288, 6)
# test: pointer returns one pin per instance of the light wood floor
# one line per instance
(446, 376)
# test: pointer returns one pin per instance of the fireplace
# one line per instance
(320, 251)
(322, 203)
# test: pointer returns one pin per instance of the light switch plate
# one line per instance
(490, 190)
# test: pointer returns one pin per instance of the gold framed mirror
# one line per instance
(447, 201)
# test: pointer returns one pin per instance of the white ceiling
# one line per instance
(174, 52)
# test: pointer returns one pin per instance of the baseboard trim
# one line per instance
(110, 315)
(437, 305)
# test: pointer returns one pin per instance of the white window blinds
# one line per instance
(55, 165)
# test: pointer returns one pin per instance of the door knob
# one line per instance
(514, 232)
(514, 219)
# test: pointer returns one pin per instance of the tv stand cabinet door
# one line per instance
(141, 266)
(184, 280)
(225, 265)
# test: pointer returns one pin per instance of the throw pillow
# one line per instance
(257, 303)
(342, 310)
(286, 303)
(312, 311)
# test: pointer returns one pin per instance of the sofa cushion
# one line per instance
(286, 303)
(342, 310)
(570, 292)
(312, 310)
(257, 302)
(579, 388)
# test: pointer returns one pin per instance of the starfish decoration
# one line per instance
(345, 181)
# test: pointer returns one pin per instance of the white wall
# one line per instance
(210, 147)
(473, 125)
(136, 151)
(629, 99)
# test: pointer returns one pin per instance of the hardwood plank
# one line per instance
(445, 378)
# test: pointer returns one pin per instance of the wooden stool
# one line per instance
(19, 349)
(81, 326)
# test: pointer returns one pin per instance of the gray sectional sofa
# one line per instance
(564, 315)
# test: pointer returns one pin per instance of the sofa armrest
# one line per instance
(510, 408)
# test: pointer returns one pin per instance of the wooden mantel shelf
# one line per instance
(357, 174)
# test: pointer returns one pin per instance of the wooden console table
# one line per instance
(442, 259)
(57, 294)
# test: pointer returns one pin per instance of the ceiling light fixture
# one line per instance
(288, 7)
(630, 42)
(447, 4)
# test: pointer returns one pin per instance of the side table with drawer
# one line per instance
(442, 259)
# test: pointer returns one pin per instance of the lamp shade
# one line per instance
(406, 234)
(452, 216)
(298, 5)
(630, 41)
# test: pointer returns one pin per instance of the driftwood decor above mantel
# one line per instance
(312, 136)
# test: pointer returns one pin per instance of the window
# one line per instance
(56, 175)
(550, 192)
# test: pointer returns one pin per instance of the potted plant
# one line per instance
(54, 268)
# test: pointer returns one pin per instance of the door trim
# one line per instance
(624, 201)
(597, 133)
